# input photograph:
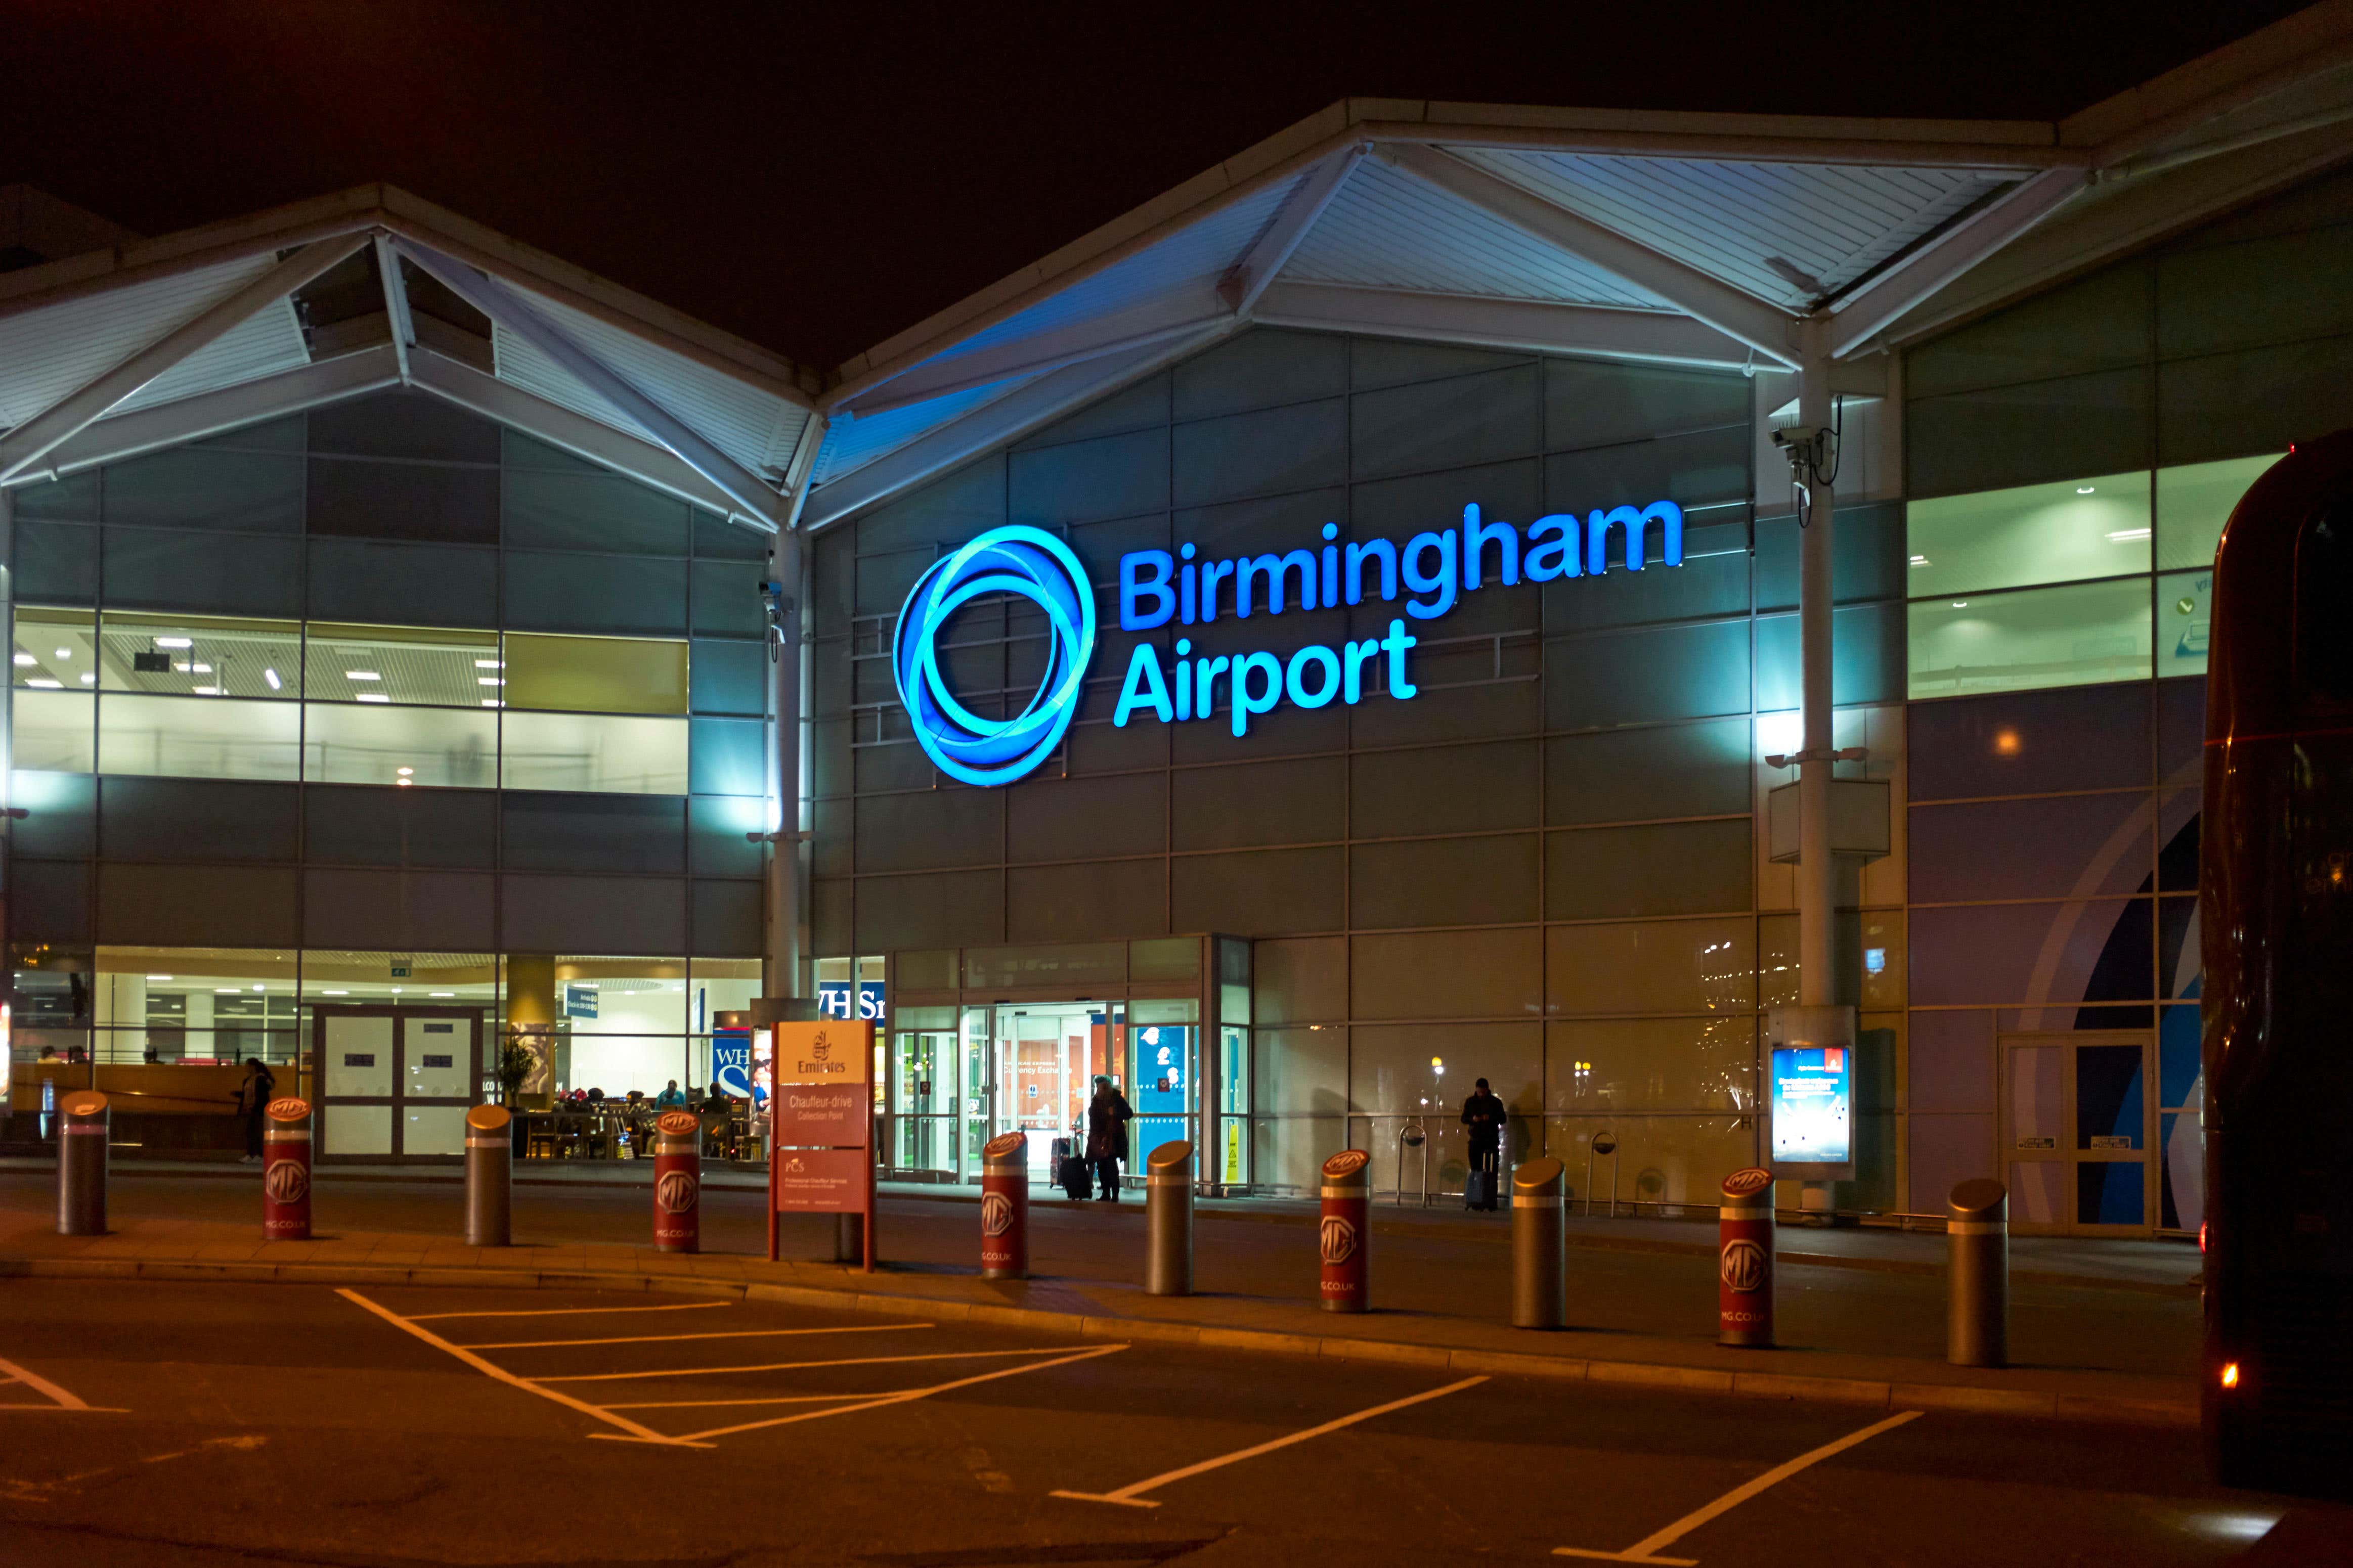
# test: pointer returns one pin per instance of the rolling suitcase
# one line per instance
(1479, 1189)
(1071, 1173)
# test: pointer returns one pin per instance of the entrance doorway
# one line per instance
(395, 1082)
(2079, 1127)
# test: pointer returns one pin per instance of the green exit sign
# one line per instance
(400, 972)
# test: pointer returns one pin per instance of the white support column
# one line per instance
(1817, 868)
(783, 948)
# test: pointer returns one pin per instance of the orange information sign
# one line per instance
(820, 1123)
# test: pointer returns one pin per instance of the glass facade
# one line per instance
(367, 708)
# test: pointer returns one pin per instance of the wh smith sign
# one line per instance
(1426, 577)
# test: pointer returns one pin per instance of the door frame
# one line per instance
(398, 1101)
(2068, 1156)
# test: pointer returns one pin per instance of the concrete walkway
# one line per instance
(2112, 1350)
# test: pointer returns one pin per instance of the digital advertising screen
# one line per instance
(1813, 1104)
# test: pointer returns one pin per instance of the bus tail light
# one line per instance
(2229, 1374)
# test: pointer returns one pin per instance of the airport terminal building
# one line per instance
(1329, 637)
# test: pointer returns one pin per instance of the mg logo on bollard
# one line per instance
(289, 1107)
(1339, 1241)
(676, 1192)
(1741, 1266)
(286, 1181)
(996, 1213)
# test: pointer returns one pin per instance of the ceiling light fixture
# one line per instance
(487, 701)
(24, 659)
(272, 676)
(334, 993)
(488, 680)
(2127, 535)
(46, 685)
(65, 653)
(89, 678)
(404, 772)
(159, 977)
(362, 675)
(174, 642)
(489, 664)
(2083, 489)
(371, 697)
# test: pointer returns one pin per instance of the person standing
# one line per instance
(253, 1098)
(1484, 1114)
(1108, 1115)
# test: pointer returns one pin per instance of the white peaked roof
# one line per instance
(147, 343)
(1699, 239)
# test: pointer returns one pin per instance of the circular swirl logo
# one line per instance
(1028, 563)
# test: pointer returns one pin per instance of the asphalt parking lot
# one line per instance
(205, 1424)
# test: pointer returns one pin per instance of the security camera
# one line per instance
(1799, 436)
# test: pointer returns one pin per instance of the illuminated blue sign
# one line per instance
(839, 999)
(1033, 565)
(1429, 573)
(1813, 1105)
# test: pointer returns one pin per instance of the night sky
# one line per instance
(816, 180)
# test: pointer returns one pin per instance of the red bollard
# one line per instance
(285, 1170)
(1345, 1231)
(678, 1182)
(1743, 1263)
(1004, 1207)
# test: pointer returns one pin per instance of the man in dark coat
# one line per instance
(1108, 1115)
(253, 1098)
(1483, 1113)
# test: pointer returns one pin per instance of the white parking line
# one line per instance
(907, 1395)
(59, 1398)
(722, 1334)
(1130, 1496)
(489, 1369)
(1642, 1550)
(794, 1365)
(570, 1311)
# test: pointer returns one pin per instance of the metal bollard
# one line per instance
(1977, 1274)
(1168, 1220)
(849, 1238)
(285, 1170)
(489, 1176)
(1345, 1232)
(82, 1126)
(1004, 1207)
(1540, 1245)
(678, 1182)
(1743, 1263)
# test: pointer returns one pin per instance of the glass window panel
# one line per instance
(1652, 1064)
(1288, 1151)
(2185, 609)
(199, 737)
(189, 1006)
(1447, 974)
(344, 977)
(55, 732)
(357, 743)
(56, 650)
(597, 675)
(1665, 1160)
(1680, 868)
(402, 664)
(356, 1130)
(594, 752)
(1056, 965)
(1301, 979)
(1427, 1070)
(1652, 966)
(2035, 533)
(205, 655)
(2072, 636)
(2193, 502)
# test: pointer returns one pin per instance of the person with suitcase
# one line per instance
(1483, 1113)
(1108, 1115)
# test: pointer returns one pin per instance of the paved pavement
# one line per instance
(1642, 1310)
(376, 1425)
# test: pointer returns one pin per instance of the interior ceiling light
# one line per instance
(362, 675)
(208, 691)
(334, 993)
(202, 669)
(440, 994)
(2083, 489)
(48, 685)
(371, 697)
(24, 660)
(488, 663)
(404, 772)
(488, 680)
(1960, 604)
(159, 977)
(272, 676)
(2126, 535)
(89, 678)
(65, 653)
(487, 701)
(174, 642)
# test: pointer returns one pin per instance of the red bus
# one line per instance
(2276, 917)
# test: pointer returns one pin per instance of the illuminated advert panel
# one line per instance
(1809, 1082)
(1425, 577)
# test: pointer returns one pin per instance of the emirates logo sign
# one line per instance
(996, 1215)
(1741, 1266)
(676, 1192)
(1339, 1238)
(822, 1048)
(286, 1181)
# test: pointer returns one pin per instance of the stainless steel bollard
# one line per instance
(1977, 1274)
(1168, 1220)
(83, 1122)
(489, 1176)
(1540, 1245)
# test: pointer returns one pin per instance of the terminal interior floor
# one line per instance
(211, 1425)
